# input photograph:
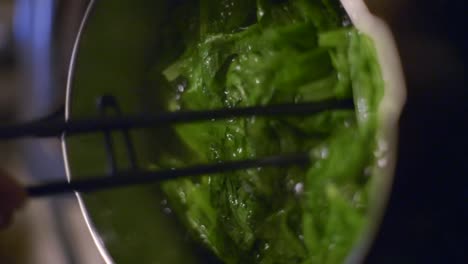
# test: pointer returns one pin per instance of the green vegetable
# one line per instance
(245, 53)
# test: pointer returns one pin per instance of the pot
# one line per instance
(113, 55)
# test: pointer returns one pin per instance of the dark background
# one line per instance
(427, 215)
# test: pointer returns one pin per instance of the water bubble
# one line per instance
(180, 87)
(362, 107)
(324, 152)
(346, 21)
(382, 162)
(208, 61)
(182, 196)
(382, 148)
(299, 188)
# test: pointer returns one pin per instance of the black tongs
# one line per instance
(53, 127)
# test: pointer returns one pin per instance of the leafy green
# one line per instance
(242, 53)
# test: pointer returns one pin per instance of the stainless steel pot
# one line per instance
(112, 55)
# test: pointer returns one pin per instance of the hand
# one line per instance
(12, 197)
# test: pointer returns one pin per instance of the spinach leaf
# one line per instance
(256, 53)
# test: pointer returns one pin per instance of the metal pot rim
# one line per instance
(389, 113)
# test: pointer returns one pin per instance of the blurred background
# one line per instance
(429, 201)
(425, 221)
(36, 39)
